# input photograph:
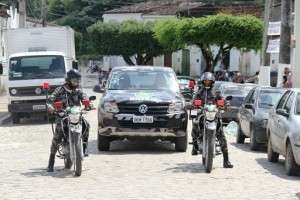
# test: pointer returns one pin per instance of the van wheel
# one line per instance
(15, 118)
(103, 143)
(181, 143)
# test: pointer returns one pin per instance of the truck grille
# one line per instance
(31, 91)
(153, 109)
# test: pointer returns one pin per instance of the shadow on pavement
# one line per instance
(277, 169)
(59, 172)
(188, 168)
(128, 147)
(246, 147)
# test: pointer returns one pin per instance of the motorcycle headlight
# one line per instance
(173, 107)
(111, 107)
(210, 115)
(74, 118)
(264, 123)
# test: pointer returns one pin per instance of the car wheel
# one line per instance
(290, 164)
(272, 156)
(254, 146)
(240, 137)
(181, 143)
(103, 143)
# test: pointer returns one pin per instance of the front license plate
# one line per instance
(194, 112)
(143, 119)
(39, 107)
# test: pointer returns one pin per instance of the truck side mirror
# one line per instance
(75, 64)
(1, 69)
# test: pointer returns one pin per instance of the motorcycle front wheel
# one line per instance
(209, 152)
(68, 162)
(78, 155)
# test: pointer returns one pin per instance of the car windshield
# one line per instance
(238, 90)
(267, 99)
(143, 80)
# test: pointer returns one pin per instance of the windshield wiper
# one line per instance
(47, 73)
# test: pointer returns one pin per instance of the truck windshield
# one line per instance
(36, 67)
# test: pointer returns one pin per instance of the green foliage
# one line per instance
(243, 33)
(126, 39)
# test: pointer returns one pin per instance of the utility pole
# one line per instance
(265, 57)
(22, 10)
(296, 70)
(43, 13)
(285, 35)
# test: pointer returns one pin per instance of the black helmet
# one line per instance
(73, 74)
(207, 79)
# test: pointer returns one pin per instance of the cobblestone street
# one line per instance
(133, 170)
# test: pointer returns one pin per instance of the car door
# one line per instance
(283, 123)
(247, 112)
(276, 128)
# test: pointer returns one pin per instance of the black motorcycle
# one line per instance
(208, 116)
(74, 127)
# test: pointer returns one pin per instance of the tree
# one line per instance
(128, 38)
(243, 33)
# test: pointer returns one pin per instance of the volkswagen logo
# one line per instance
(38, 90)
(143, 108)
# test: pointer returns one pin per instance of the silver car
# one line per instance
(283, 131)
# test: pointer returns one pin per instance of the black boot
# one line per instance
(85, 152)
(226, 163)
(51, 163)
(195, 148)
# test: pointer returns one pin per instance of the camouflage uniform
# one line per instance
(68, 98)
(211, 96)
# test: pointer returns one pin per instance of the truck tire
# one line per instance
(181, 143)
(15, 118)
(103, 143)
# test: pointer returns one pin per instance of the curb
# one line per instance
(4, 120)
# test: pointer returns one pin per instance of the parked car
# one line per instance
(273, 79)
(185, 88)
(283, 131)
(253, 115)
(238, 93)
(142, 103)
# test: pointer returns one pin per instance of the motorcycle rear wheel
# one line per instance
(209, 153)
(78, 156)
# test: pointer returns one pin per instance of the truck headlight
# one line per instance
(13, 91)
(173, 107)
(111, 107)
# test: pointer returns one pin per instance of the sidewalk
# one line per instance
(4, 115)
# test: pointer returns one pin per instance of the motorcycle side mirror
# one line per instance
(228, 98)
(58, 104)
(85, 102)
(220, 103)
(92, 98)
(46, 86)
(198, 102)
(191, 84)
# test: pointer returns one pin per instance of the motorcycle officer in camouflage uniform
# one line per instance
(70, 93)
(207, 81)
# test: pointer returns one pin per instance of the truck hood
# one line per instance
(122, 96)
